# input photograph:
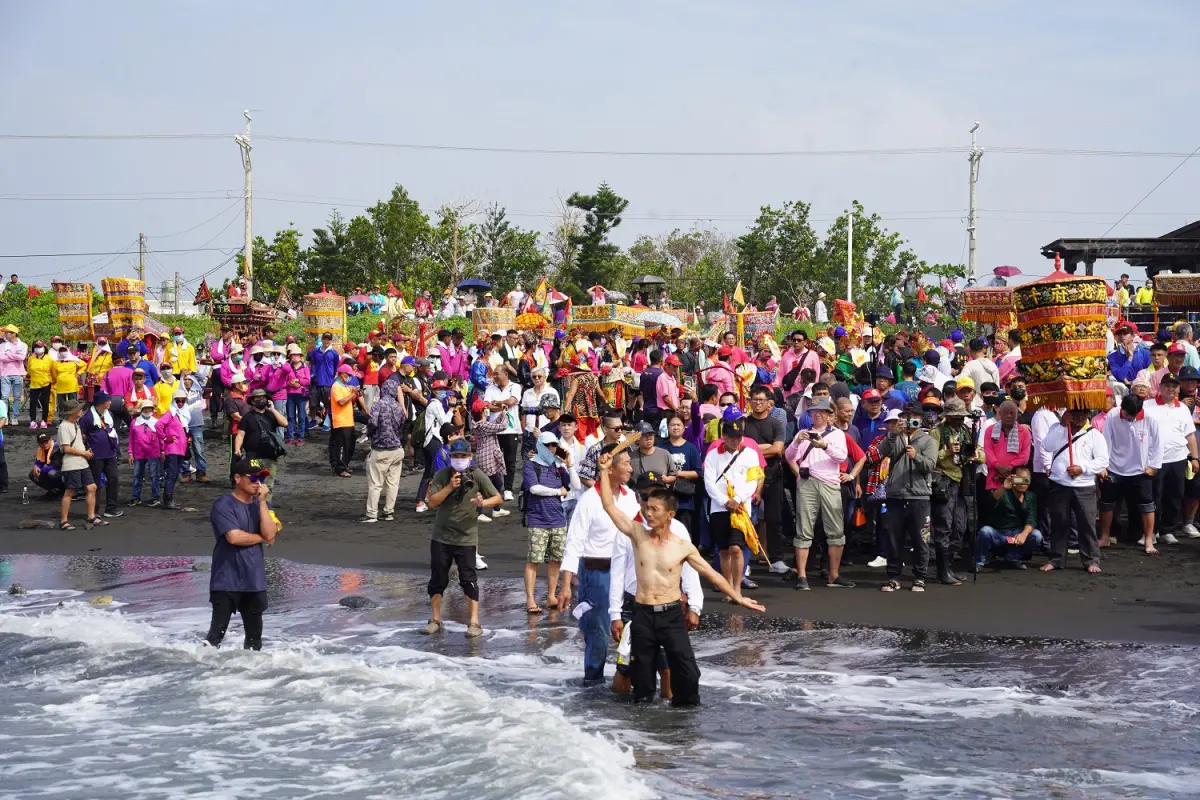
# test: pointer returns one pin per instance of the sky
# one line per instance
(695, 76)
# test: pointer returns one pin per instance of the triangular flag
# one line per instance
(726, 305)
(737, 295)
(285, 299)
(539, 294)
(921, 296)
(203, 295)
(393, 291)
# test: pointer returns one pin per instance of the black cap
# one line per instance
(1189, 374)
(884, 372)
(733, 427)
(649, 480)
(250, 466)
(1169, 378)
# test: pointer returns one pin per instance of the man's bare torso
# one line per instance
(658, 561)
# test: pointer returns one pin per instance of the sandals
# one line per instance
(97, 520)
(65, 526)
(918, 586)
(890, 586)
(432, 627)
(474, 630)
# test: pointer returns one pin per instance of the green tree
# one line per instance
(509, 255)
(696, 264)
(597, 258)
(400, 250)
(880, 259)
(330, 263)
(452, 247)
(780, 255)
(279, 263)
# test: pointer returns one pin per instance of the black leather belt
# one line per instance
(598, 564)
(662, 607)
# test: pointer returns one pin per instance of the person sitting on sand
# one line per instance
(47, 466)
(1010, 530)
(658, 616)
(1074, 455)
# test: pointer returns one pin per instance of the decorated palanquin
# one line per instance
(1062, 319)
(74, 301)
(325, 312)
(604, 318)
(749, 326)
(493, 320)
(1178, 290)
(532, 321)
(992, 305)
(843, 312)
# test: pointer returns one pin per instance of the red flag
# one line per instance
(34, 292)
(203, 295)
(393, 291)
(729, 309)
(921, 296)
(421, 339)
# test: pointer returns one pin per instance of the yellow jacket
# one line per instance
(64, 376)
(1145, 296)
(39, 371)
(100, 364)
(162, 396)
(181, 356)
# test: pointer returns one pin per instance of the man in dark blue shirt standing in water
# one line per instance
(242, 522)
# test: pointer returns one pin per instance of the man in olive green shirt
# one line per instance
(956, 448)
(458, 493)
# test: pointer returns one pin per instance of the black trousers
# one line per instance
(1040, 486)
(1168, 496)
(341, 448)
(950, 519)
(318, 401)
(39, 404)
(3, 470)
(441, 556)
(250, 605)
(907, 524)
(1065, 501)
(510, 444)
(666, 629)
(773, 517)
(108, 468)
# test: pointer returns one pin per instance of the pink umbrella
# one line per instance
(358, 297)
(1007, 272)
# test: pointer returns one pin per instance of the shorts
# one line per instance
(724, 535)
(660, 658)
(78, 478)
(1137, 491)
(546, 544)
(1191, 487)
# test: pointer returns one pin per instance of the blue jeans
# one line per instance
(11, 390)
(280, 406)
(593, 588)
(141, 467)
(173, 463)
(992, 541)
(297, 415)
(196, 452)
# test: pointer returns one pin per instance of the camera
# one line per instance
(814, 436)
(468, 481)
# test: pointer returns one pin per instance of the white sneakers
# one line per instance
(501, 512)
(484, 518)
(877, 562)
(1191, 531)
(479, 562)
(1169, 538)
(508, 496)
(780, 568)
(422, 508)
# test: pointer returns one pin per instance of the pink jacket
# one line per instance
(227, 370)
(219, 351)
(299, 374)
(277, 381)
(145, 442)
(257, 375)
(997, 453)
(12, 358)
(172, 435)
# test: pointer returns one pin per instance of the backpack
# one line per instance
(270, 441)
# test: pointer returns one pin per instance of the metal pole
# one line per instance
(976, 154)
(243, 142)
(850, 256)
(176, 293)
(141, 257)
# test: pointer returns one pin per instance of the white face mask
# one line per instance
(147, 414)
(460, 464)
(39, 350)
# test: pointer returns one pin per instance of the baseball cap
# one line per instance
(884, 372)
(725, 350)
(872, 394)
(422, 362)
(1177, 348)
(548, 437)
(645, 428)
(673, 360)
(250, 466)
(956, 336)
(964, 381)
(408, 361)
(892, 415)
(460, 447)
(1168, 378)
(344, 369)
(1189, 374)
(648, 480)
(733, 427)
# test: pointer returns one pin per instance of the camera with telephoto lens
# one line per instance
(468, 481)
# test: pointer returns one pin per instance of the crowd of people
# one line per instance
(890, 450)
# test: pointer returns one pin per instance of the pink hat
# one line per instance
(344, 369)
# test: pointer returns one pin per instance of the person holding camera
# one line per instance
(1010, 530)
(458, 494)
(815, 457)
(956, 450)
(913, 459)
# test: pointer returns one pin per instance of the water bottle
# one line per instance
(24, 495)
(883, 509)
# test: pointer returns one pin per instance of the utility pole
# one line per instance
(976, 155)
(142, 257)
(850, 256)
(243, 142)
(176, 293)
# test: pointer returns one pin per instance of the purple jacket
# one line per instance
(299, 374)
(454, 365)
(170, 428)
(257, 375)
(277, 381)
(145, 442)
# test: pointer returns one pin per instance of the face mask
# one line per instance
(261, 402)
(1018, 394)
(237, 358)
(258, 359)
(442, 394)
(178, 340)
(460, 464)
(39, 350)
(147, 414)
(167, 375)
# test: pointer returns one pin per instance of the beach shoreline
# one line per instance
(1137, 599)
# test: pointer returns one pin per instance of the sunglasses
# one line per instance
(726, 405)
(259, 477)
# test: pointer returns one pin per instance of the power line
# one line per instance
(1152, 191)
(229, 208)
(225, 250)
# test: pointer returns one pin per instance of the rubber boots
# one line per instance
(945, 575)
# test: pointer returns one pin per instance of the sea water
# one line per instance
(123, 700)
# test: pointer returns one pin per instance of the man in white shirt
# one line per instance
(731, 464)
(588, 554)
(1040, 424)
(505, 395)
(980, 369)
(1074, 455)
(1178, 435)
(1135, 454)
(623, 590)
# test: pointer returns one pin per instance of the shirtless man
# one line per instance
(658, 614)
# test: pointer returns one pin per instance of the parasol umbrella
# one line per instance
(1007, 271)
(358, 297)
(617, 297)
(660, 318)
(474, 283)
(647, 280)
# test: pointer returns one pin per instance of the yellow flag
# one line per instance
(737, 295)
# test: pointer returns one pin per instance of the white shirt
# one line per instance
(1174, 426)
(512, 414)
(623, 567)
(1089, 451)
(531, 399)
(591, 532)
(981, 370)
(1132, 446)
(715, 482)
(577, 451)
(822, 315)
(1043, 420)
